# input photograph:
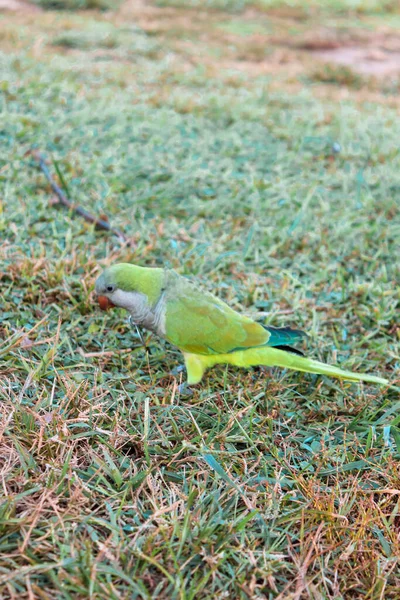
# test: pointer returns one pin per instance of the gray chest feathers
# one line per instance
(149, 317)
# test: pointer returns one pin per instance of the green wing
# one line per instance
(200, 323)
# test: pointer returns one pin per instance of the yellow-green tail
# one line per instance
(287, 360)
(196, 364)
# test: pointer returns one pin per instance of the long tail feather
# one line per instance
(196, 364)
(288, 360)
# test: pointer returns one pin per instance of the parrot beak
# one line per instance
(104, 302)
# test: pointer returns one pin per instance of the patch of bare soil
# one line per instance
(373, 59)
(200, 38)
(377, 55)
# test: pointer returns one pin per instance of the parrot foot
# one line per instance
(177, 370)
(185, 390)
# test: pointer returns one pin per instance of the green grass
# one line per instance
(265, 483)
(296, 6)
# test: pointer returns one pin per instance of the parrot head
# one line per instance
(128, 286)
(105, 287)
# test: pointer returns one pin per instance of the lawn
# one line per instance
(226, 150)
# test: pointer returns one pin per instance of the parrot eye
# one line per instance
(110, 288)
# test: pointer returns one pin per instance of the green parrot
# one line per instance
(203, 327)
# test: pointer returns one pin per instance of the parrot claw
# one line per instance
(185, 390)
(177, 370)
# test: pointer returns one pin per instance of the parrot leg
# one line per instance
(195, 367)
(177, 370)
(184, 389)
(138, 332)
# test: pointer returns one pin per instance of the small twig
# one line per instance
(103, 354)
(8, 344)
(79, 210)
